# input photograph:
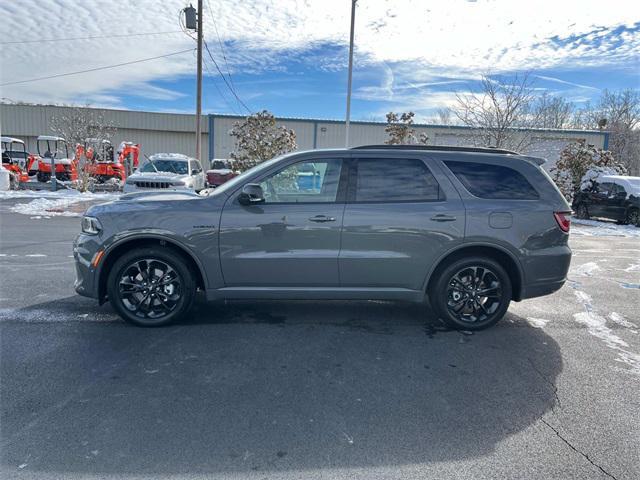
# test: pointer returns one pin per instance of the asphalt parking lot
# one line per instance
(316, 389)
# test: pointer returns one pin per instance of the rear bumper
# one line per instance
(545, 271)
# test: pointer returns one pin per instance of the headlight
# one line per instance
(91, 225)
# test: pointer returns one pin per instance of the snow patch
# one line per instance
(596, 326)
(35, 255)
(634, 267)
(620, 320)
(537, 322)
(602, 229)
(586, 269)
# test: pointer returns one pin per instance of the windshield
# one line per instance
(634, 182)
(15, 154)
(231, 184)
(180, 167)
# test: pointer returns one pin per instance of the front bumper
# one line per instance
(85, 248)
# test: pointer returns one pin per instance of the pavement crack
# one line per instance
(579, 452)
(547, 381)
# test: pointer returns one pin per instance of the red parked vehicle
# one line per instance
(220, 173)
(55, 150)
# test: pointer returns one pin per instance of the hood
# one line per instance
(157, 176)
(143, 201)
(159, 196)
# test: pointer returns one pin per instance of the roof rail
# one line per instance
(436, 148)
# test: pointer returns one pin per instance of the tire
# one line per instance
(43, 177)
(582, 211)
(633, 217)
(137, 291)
(462, 307)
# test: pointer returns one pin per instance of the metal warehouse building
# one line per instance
(174, 132)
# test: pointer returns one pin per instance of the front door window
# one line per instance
(304, 182)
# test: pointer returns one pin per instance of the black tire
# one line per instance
(582, 211)
(633, 217)
(459, 302)
(146, 294)
(43, 177)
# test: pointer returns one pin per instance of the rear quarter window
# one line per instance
(493, 181)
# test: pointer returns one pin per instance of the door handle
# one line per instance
(443, 218)
(321, 219)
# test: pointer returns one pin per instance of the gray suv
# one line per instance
(470, 229)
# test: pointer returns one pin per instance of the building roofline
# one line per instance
(318, 120)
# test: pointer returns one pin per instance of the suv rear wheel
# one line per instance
(472, 293)
(633, 217)
(151, 287)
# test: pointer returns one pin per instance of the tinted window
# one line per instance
(493, 181)
(395, 180)
(605, 187)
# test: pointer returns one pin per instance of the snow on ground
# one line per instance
(66, 203)
(596, 228)
(586, 269)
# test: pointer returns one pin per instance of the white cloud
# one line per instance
(456, 39)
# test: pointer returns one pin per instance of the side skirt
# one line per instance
(316, 293)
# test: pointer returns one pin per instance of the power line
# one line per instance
(44, 40)
(212, 77)
(224, 56)
(225, 78)
(96, 69)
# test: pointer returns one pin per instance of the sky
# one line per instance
(291, 56)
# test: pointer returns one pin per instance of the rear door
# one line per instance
(600, 199)
(401, 215)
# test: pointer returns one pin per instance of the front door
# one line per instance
(402, 214)
(293, 238)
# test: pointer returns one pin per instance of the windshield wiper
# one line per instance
(152, 164)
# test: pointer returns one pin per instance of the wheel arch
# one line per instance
(501, 255)
(114, 251)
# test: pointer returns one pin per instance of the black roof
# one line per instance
(436, 148)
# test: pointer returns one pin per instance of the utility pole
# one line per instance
(353, 18)
(199, 88)
(193, 21)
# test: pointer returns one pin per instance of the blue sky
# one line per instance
(290, 56)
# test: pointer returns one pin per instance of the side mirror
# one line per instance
(251, 194)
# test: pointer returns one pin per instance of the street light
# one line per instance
(353, 18)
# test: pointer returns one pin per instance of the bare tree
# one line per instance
(444, 116)
(258, 139)
(400, 130)
(551, 111)
(619, 114)
(75, 125)
(500, 113)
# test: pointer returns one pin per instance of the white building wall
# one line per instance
(171, 132)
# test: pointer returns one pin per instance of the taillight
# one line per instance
(564, 222)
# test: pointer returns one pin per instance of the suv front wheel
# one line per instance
(472, 293)
(151, 287)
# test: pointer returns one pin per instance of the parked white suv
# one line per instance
(162, 171)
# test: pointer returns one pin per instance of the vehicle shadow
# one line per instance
(252, 387)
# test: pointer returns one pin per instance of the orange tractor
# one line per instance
(128, 154)
(54, 150)
(16, 159)
(101, 162)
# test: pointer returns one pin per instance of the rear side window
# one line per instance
(395, 180)
(493, 181)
